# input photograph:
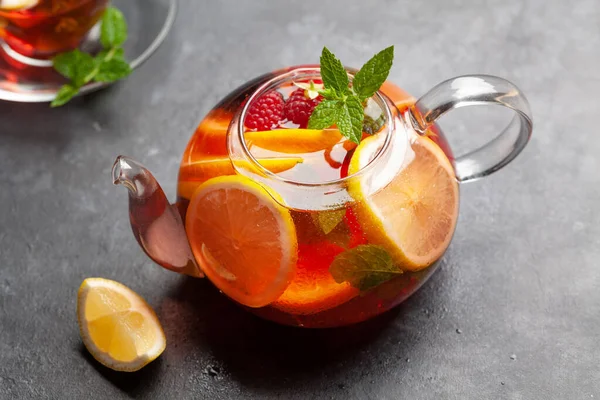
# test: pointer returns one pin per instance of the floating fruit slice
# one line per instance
(194, 174)
(313, 288)
(244, 240)
(294, 141)
(414, 216)
(117, 326)
(11, 5)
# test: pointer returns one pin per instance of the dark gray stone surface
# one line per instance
(521, 280)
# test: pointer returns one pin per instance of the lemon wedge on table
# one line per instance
(117, 326)
(12, 5)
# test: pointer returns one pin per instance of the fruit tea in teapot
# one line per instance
(319, 196)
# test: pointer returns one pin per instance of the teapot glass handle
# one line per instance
(478, 90)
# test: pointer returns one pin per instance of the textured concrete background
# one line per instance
(521, 281)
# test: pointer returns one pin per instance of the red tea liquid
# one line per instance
(50, 27)
(313, 299)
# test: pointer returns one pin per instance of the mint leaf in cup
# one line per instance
(108, 65)
(113, 32)
(112, 70)
(75, 65)
(66, 93)
(364, 267)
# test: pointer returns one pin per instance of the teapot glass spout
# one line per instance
(156, 224)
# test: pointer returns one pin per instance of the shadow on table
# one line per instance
(259, 353)
(209, 334)
(135, 384)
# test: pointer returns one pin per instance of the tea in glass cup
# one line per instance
(43, 28)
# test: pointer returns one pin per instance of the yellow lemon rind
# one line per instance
(286, 226)
(139, 305)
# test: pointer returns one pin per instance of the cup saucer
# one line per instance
(27, 80)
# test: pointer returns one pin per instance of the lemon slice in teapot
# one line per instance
(244, 240)
(414, 216)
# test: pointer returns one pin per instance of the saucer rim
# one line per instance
(48, 95)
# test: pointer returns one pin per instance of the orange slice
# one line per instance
(244, 240)
(192, 175)
(313, 288)
(294, 141)
(414, 216)
(117, 326)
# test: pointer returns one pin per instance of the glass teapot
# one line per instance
(303, 226)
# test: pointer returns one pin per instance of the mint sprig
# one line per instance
(343, 104)
(108, 65)
(364, 267)
(113, 32)
(333, 73)
(373, 74)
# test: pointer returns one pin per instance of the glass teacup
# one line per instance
(40, 29)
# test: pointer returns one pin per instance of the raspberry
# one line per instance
(298, 107)
(266, 112)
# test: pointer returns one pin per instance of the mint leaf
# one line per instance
(333, 73)
(325, 114)
(350, 119)
(113, 32)
(109, 54)
(372, 126)
(66, 93)
(372, 75)
(364, 267)
(330, 94)
(113, 70)
(328, 220)
(340, 235)
(109, 64)
(75, 65)
(343, 106)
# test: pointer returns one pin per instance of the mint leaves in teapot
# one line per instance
(364, 267)
(108, 65)
(343, 103)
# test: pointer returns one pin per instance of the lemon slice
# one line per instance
(12, 5)
(244, 240)
(117, 326)
(415, 214)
